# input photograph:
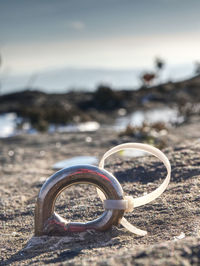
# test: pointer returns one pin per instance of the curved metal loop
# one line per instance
(47, 222)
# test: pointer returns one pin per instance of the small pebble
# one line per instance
(42, 153)
(58, 145)
(122, 111)
(11, 153)
(88, 139)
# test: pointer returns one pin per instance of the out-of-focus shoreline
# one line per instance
(104, 105)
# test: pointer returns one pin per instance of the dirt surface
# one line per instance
(172, 221)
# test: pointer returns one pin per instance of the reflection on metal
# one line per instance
(47, 222)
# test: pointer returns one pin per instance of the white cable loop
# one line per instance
(129, 202)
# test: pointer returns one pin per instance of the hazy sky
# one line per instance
(47, 34)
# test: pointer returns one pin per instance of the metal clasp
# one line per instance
(47, 222)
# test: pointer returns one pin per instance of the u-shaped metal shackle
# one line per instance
(48, 222)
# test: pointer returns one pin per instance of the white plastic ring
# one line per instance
(146, 198)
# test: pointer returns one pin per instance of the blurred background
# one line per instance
(65, 65)
(61, 45)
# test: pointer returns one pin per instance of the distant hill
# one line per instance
(86, 79)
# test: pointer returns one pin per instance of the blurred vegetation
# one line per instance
(106, 99)
(159, 64)
(149, 77)
(197, 68)
(153, 134)
(0, 75)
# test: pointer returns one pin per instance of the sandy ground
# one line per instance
(172, 221)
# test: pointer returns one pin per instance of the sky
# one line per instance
(46, 35)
